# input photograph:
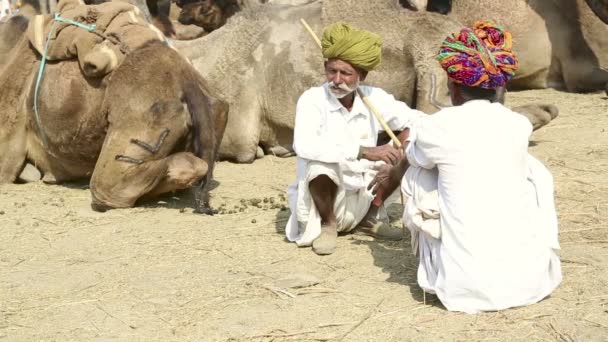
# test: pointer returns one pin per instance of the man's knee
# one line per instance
(330, 171)
(322, 182)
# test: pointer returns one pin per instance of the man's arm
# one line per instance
(397, 114)
(385, 151)
(389, 177)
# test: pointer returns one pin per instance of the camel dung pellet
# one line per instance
(255, 201)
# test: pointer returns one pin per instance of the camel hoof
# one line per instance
(259, 154)
(205, 211)
(281, 151)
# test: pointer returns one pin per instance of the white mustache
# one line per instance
(341, 86)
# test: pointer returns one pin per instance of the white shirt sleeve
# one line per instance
(396, 113)
(310, 140)
(425, 139)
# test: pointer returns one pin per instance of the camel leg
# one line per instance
(538, 114)
(12, 152)
(589, 80)
(242, 137)
(183, 171)
(281, 151)
(13, 84)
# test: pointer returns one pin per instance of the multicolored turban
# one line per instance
(479, 57)
(360, 48)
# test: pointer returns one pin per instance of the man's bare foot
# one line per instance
(325, 244)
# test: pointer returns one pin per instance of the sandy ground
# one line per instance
(158, 272)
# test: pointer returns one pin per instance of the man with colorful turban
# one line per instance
(335, 138)
(480, 208)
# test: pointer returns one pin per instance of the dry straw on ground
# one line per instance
(160, 273)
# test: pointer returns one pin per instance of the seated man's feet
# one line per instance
(325, 244)
(378, 229)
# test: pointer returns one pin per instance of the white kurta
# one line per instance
(496, 210)
(326, 132)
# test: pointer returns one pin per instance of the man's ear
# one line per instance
(500, 94)
(455, 94)
(362, 74)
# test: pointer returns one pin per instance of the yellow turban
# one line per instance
(360, 48)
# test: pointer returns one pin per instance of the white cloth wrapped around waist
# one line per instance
(421, 212)
(304, 224)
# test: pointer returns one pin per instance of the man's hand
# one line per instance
(387, 153)
(386, 180)
(388, 177)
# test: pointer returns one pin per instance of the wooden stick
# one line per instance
(369, 105)
(312, 33)
(388, 130)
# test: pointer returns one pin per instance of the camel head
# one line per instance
(416, 5)
(161, 135)
(143, 155)
(205, 13)
(439, 6)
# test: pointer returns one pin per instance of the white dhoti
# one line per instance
(468, 283)
(350, 207)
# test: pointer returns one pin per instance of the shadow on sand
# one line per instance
(394, 257)
(182, 200)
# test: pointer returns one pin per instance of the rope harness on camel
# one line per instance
(56, 18)
(99, 36)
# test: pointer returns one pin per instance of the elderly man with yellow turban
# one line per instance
(335, 138)
(480, 208)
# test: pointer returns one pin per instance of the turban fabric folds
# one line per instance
(360, 48)
(479, 57)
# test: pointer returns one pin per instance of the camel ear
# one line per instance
(199, 109)
(209, 116)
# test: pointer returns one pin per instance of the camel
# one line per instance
(560, 43)
(213, 14)
(208, 14)
(149, 127)
(155, 11)
(262, 60)
(439, 6)
(11, 28)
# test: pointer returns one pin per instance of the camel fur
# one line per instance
(148, 127)
(262, 60)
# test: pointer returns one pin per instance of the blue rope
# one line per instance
(56, 18)
(75, 23)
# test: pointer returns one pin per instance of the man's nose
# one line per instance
(337, 78)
